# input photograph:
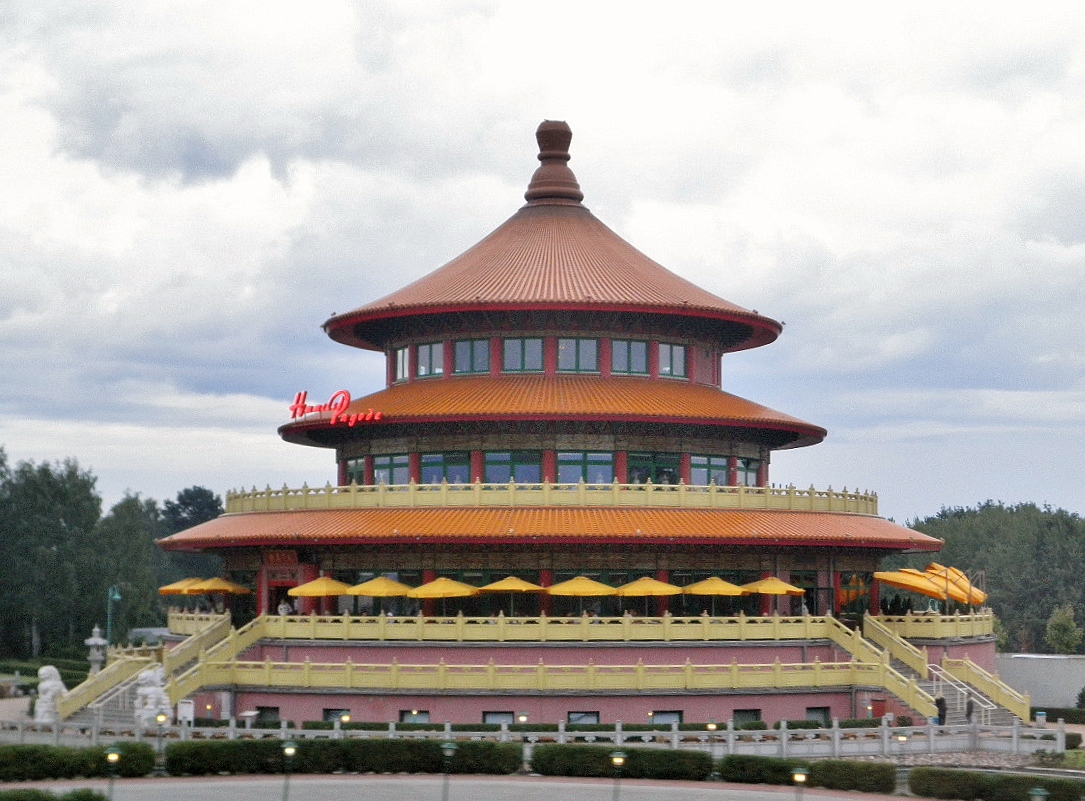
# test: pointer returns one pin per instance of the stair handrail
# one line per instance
(971, 674)
(179, 656)
(852, 642)
(898, 648)
(112, 675)
(235, 642)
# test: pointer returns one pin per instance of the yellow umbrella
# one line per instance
(512, 585)
(217, 585)
(323, 587)
(179, 587)
(950, 577)
(379, 587)
(646, 586)
(913, 582)
(581, 587)
(714, 586)
(772, 586)
(443, 588)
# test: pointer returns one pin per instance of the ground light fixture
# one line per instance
(798, 776)
(449, 751)
(160, 755)
(112, 757)
(617, 759)
(290, 748)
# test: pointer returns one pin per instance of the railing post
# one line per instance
(619, 734)
(730, 736)
(834, 733)
(783, 738)
(561, 731)
(674, 735)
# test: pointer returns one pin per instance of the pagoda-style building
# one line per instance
(555, 407)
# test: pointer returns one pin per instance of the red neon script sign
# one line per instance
(337, 404)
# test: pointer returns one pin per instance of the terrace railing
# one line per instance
(939, 627)
(354, 496)
(897, 647)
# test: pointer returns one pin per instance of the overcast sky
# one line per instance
(189, 189)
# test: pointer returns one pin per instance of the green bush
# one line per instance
(640, 763)
(1069, 715)
(1073, 740)
(968, 785)
(860, 723)
(37, 762)
(866, 777)
(748, 769)
(799, 724)
(753, 725)
(26, 794)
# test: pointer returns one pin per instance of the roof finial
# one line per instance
(553, 180)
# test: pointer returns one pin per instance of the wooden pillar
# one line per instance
(732, 471)
(550, 465)
(684, 468)
(414, 467)
(341, 478)
(478, 466)
(368, 470)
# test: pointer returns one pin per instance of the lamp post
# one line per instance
(449, 751)
(289, 749)
(112, 597)
(798, 776)
(711, 728)
(113, 756)
(160, 755)
(617, 759)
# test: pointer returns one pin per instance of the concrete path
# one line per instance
(429, 788)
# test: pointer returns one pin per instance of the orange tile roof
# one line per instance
(554, 253)
(533, 397)
(510, 527)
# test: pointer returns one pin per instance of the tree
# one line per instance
(193, 506)
(1062, 633)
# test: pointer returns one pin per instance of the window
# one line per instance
(666, 718)
(267, 714)
(498, 717)
(332, 715)
(743, 717)
(522, 355)
(628, 357)
(746, 472)
(392, 469)
(672, 360)
(472, 356)
(578, 355)
(403, 363)
(591, 718)
(455, 468)
(659, 468)
(523, 467)
(594, 468)
(431, 359)
(414, 716)
(705, 470)
(356, 470)
(821, 714)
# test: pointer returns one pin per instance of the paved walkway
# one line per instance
(428, 788)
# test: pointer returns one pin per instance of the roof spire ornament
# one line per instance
(553, 180)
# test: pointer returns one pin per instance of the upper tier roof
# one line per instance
(553, 254)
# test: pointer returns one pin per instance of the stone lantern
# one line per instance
(97, 645)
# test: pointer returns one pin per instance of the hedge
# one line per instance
(969, 785)
(868, 777)
(640, 763)
(36, 762)
(206, 757)
(749, 769)
(28, 794)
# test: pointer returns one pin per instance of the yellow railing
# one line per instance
(227, 649)
(214, 629)
(852, 642)
(990, 685)
(683, 496)
(442, 677)
(939, 627)
(534, 629)
(914, 658)
(94, 687)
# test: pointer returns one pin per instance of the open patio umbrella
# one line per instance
(647, 587)
(379, 587)
(581, 587)
(443, 588)
(772, 586)
(215, 585)
(714, 586)
(512, 585)
(912, 582)
(179, 587)
(323, 587)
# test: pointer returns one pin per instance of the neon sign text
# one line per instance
(337, 404)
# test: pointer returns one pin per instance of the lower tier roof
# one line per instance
(515, 527)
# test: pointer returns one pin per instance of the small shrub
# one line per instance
(641, 763)
(866, 777)
(969, 785)
(1073, 741)
(747, 769)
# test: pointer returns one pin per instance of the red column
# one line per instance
(428, 604)
(683, 468)
(368, 470)
(342, 473)
(448, 360)
(874, 599)
(478, 467)
(604, 357)
(834, 602)
(496, 356)
(550, 466)
(766, 600)
(306, 572)
(763, 473)
(263, 602)
(550, 355)
(546, 579)
(621, 466)
(653, 359)
(414, 467)
(732, 471)
(663, 602)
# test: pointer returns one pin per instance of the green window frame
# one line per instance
(578, 355)
(431, 358)
(594, 467)
(628, 357)
(471, 356)
(522, 355)
(746, 471)
(403, 363)
(672, 360)
(661, 468)
(393, 468)
(522, 467)
(705, 470)
(356, 470)
(453, 467)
